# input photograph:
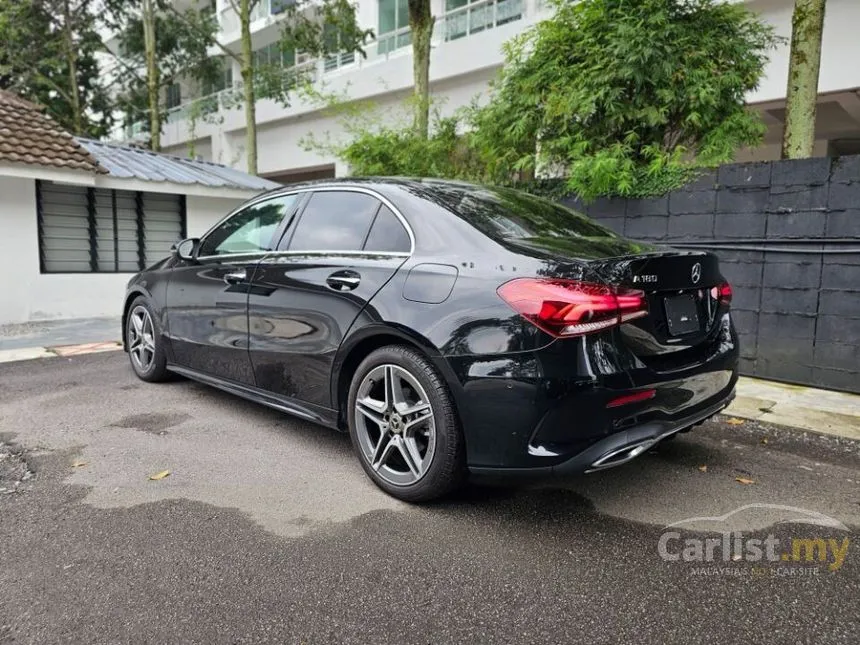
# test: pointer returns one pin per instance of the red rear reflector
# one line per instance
(644, 395)
(572, 308)
(723, 292)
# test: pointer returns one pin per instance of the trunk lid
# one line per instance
(683, 309)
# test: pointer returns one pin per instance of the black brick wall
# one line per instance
(788, 237)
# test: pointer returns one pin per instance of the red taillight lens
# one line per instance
(636, 397)
(723, 292)
(572, 308)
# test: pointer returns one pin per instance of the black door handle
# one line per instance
(343, 280)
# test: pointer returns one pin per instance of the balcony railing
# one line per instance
(480, 16)
(229, 20)
(457, 23)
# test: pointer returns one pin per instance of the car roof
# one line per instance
(378, 183)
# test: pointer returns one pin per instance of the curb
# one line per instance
(63, 351)
(796, 406)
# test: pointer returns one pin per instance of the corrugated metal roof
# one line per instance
(124, 162)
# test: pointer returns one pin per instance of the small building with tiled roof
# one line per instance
(78, 217)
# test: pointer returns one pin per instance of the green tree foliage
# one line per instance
(313, 27)
(178, 51)
(625, 96)
(48, 56)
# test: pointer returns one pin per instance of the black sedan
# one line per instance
(450, 328)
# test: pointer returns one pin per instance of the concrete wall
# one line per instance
(788, 237)
(27, 295)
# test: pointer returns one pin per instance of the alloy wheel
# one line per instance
(141, 338)
(395, 425)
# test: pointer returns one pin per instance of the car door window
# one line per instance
(335, 221)
(387, 234)
(250, 230)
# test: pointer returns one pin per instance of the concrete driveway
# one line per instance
(266, 530)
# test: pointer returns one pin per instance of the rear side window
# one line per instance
(507, 214)
(335, 221)
(387, 234)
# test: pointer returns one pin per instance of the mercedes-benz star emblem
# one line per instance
(696, 273)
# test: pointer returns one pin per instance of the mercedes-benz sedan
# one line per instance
(447, 327)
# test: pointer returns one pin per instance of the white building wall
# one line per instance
(27, 295)
(461, 69)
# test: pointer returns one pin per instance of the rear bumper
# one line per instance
(616, 449)
(552, 410)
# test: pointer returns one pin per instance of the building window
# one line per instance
(224, 78)
(466, 17)
(95, 230)
(174, 95)
(393, 25)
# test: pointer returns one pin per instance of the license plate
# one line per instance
(682, 315)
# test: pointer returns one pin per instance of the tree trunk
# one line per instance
(72, 67)
(421, 25)
(807, 25)
(153, 84)
(249, 95)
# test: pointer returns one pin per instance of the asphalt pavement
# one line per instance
(266, 530)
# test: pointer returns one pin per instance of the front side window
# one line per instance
(393, 18)
(250, 230)
(335, 221)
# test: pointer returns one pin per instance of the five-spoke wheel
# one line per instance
(148, 359)
(395, 425)
(141, 338)
(403, 425)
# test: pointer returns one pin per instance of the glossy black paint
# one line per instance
(290, 335)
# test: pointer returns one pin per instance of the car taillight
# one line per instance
(722, 292)
(572, 308)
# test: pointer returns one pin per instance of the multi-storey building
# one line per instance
(466, 54)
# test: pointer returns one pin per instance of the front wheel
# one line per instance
(404, 427)
(144, 344)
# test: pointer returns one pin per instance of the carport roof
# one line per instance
(124, 162)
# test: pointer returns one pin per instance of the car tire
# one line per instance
(144, 342)
(434, 445)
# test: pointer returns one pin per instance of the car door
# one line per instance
(345, 246)
(207, 299)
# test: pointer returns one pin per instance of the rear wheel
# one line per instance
(404, 427)
(143, 341)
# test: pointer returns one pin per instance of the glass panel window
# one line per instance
(387, 234)
(335, 221)
(249, 230)
(464, 17)
(174, 96)
(393, 16)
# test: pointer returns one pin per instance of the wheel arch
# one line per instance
(361, 343)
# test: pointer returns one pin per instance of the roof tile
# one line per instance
(29, 136)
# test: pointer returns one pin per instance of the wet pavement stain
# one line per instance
(151, 422)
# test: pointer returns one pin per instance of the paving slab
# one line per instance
(797, 406)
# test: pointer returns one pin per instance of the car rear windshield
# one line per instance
(508, 214)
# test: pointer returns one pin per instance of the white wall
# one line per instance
(27, 295)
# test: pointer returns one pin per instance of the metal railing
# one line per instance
(456, 23)
(229, 19)
(480, 16)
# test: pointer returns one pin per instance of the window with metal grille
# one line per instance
(96, 230)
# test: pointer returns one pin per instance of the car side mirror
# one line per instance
(187, 249)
